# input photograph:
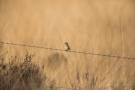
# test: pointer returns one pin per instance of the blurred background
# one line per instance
(98, 26)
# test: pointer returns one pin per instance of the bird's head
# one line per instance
(65, 43)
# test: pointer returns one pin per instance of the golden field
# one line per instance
(97, 26)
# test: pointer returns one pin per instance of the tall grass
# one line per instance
(87, 25)
(28, 75)
(24, 75)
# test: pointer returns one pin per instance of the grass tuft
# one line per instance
(25, 75)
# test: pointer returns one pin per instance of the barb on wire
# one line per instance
(67, 51)
(1, 45)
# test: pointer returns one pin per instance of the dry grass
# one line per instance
(25, 75)
(98, 26)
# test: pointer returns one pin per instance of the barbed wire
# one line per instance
(60, 87)
(24, 45)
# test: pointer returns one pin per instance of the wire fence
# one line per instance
(57, 87)
(67, 51)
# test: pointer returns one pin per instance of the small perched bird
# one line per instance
(67, 48)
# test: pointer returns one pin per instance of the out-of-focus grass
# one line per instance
(24, 75)
(27, 75)
(87, 25)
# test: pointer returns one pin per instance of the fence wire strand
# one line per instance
(66, 51)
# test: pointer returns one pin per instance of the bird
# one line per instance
(67, 48)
